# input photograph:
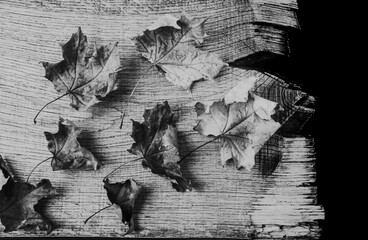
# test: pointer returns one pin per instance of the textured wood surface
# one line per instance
(277, 198)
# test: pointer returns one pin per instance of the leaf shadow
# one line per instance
(186, 165)
(45, 204)
(88, 140)
(140, 202)
(184, 140)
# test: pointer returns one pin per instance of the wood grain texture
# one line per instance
(277, 198)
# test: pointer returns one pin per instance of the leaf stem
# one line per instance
(131, 94)
(204, 144)
(37, 166)
(121, 167)
(38, 113)
(85, 221)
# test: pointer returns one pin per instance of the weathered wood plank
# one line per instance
(270, 201)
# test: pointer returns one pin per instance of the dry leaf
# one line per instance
(68, 154)
(169, 45)
(123, 196)
(242, 123)
(156, 141)
(87, 73)
(18, 200)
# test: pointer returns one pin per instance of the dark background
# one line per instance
(313, 65)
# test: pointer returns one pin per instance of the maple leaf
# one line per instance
(66, 150)
(123, 196)
(17, 202)
(156, 142)
(169, 44)
(242, 121)
(87, 73)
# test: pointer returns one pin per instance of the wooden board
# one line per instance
(277, 198)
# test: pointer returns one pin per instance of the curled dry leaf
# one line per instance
(18, 200)
(87, 73)
(66, 150)
(156, 141)
(123, 196)
(169, 44)
(242, 122)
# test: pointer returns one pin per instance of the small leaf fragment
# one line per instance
(17, 202)
(156, 141)
(123, 196)
(68, 153)
(242, 127)
(87, 73)
(172, 50)
(165, 21)
(4, 173)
